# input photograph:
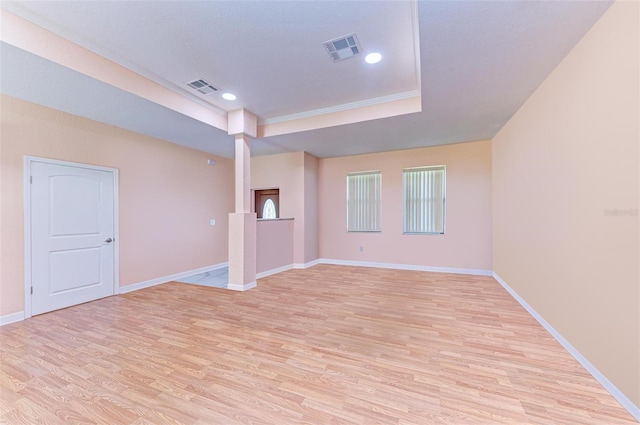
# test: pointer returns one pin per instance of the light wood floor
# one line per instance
(326, 345)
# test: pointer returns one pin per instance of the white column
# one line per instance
(242, 223)
(243, 174)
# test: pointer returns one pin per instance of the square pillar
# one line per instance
(242, 251)
(242, 223)
(243, 174)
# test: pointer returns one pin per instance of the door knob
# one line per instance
(109, 240)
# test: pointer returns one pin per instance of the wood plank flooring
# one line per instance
(326, 345)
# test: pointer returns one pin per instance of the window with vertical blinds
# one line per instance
(424, 199)
(363, 201)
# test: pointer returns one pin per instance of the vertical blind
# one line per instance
(363, 201)
(424, 196)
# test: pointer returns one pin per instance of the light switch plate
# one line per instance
(212, 222)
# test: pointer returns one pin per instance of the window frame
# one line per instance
(259, 199)
(379, 203)
(444, 198)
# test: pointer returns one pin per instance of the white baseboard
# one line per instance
(245, 287)
(287, 267)
(165, 279)
(608, 385)
(274, 271)
(306, 265)
(405, 267)
(11, 318)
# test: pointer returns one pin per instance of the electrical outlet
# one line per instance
(361, 248)
(212, 222)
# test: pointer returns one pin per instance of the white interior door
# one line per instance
(72, 235)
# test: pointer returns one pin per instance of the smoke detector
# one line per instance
(203, 86)
(343, 47)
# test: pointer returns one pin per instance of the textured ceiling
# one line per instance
(268, 53)
(40, 81)
(479, 61)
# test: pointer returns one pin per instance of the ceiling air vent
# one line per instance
(203, 86)
(343, 48)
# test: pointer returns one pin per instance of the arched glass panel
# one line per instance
(269, 209)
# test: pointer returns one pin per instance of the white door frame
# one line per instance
(28, 161)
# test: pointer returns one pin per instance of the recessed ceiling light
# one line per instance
(229, 96)
(373, 58)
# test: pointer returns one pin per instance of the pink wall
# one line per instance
(295, 174)
(569, 155)
(274, 244)
(168, 193)
(467, 242)
(311, 219)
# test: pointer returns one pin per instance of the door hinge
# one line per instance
(30, 179)
(32, 290)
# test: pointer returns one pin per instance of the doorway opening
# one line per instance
(267, 203)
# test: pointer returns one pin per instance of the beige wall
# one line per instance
(168, 193)
(292, 173)
(565, 158)
(311, 188)
(284, 172)
(274, 244)
(466, 243)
